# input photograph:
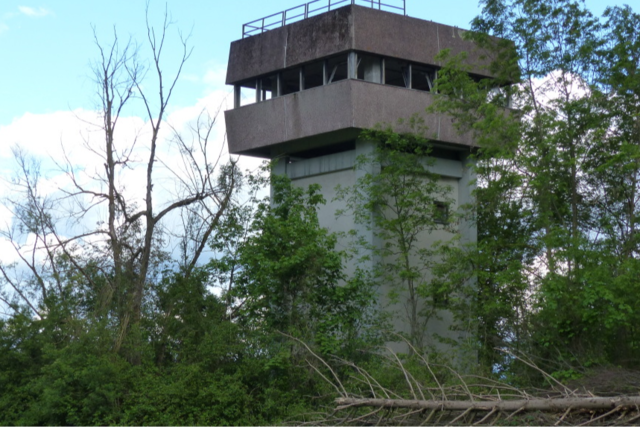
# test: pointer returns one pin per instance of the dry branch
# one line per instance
(552, 405)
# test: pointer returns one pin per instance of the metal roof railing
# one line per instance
(313, 8)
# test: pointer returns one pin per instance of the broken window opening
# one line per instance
(441, 213)
(337, 68)
(313, 75)
(397, 73)
(269, 87)
(245, 93)
(290, 81)
(422, 78)
(351, 65)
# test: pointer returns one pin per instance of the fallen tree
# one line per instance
(435, 394)
(549, 404)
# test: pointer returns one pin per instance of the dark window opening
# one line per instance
(337, 69)
(247, 93)
(290, 81)
(313, 75)
(323, 151)
(269, 87)
(441, 213)
(397, 73)
(422, 78)
(443, 153)
(369, 68)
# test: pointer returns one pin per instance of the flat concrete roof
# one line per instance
(346, 29)
(331, 114)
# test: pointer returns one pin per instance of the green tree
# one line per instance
(291, 278)
(400, 202)
(557, 182)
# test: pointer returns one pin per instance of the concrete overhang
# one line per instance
(347, 29)
(331, 114)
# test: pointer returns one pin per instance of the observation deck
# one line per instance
(314, 84)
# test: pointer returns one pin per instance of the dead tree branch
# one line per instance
(551, 404)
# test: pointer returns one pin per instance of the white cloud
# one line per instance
(3, 27)
(77, 137)
(215, 76)
(34, 12)
(193, 78)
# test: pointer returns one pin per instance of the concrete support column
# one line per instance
(237, 93)
(367, 148)
(468, 229)
(259, 97)
(372, 69)
(352, 65)
(279, 168)
(466, 184)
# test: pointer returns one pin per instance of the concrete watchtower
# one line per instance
(304, 90)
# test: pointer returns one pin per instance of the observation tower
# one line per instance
(308, 80)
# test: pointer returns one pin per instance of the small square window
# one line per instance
(441, 213)
(397, 73)
(337, 68)
(269, 87)
(422, 78)
(313, 75)
(291, 81)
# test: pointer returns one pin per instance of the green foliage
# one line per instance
(400, 203)
(291, 278)
(554, 274)
(205, 358)
(557, 207)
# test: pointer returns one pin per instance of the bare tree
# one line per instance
(126, 241)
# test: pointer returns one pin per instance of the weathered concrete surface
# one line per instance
(348, 28)
(337, 169)
(331, 114)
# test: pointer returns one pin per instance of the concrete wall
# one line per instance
(331, 114)
(348, 28)
(337, 169)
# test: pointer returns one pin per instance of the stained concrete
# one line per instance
(313, 125)
(335, 170)
(338, 110)
(348, 28)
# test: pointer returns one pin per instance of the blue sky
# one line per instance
(46, 46)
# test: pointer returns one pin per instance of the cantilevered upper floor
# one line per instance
(316, 83)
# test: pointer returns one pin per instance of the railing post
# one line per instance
(308, 9)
